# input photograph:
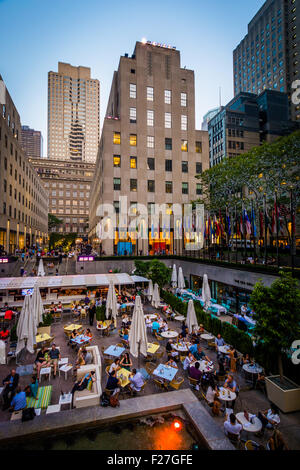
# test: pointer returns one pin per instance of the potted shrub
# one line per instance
(277, 326)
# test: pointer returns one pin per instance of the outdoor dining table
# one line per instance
(181, 347)
(226, 395)
(123, 376)
(41, 338)
(115, 351)
(101, 327)
(207, 336)
(179, 318)
(152, 348)
(204, 366)
(81, 339)
(73, 326)
(254, 370)
(169, 334)
(152, 316)
(247, 425)
(224, 349)
(165, 372)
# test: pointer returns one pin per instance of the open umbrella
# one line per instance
(206, 295)
(26, 328)
(191, 319)
(150, 290)
(41, 271)
(180, 283)
(174, 276)
(111, 303)
(37, 306)
(156, 297)
(138, 334)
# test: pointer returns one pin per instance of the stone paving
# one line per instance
(252, 400)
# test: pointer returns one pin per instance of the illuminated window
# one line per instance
(168, 95)
(183, 99)
(198, 147)
(117, 138)
(168, 121)
(133, 162)
(150, 118)
(185, 188)
(184, 145)
(150, 141)
(183, 122)
(133, 185)
(132, 140)
(169, 187)
(117, 161)
(132, 90)
(150, 93)
(132, 115)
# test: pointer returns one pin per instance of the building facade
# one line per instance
(68, 185)
(247, 121)
(23, 198)
(32, 142)
(149, 150)
(268, 56)
(73, 114)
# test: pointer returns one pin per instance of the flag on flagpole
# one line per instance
(247, 223)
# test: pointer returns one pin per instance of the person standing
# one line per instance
(92, 312)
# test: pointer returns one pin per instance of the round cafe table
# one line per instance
(224, 349)
(179, 318)
(247, 425)
(254, 370)
(152, 316)
(226, 395)
(207, 336)
(181, 347)
(169, 334)
(204, 366)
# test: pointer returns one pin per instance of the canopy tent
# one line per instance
(41, 270)
(174, 276)
(37, 305)
(111, 303)
(139, 279)
(26, 328)
(156, 297)
(150, 290)
(206, 295)
(137, 334)
(191, 319)
(180, 283)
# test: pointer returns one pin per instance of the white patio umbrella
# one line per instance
(180, 283)
(174, 276)
(37, 305)
(150, 290)
(26, 328)
(156, 297)
(41, 271)
(137, 333)
(191, 319)
(206, 295)
(111, 303)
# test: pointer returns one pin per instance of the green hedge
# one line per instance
(100, 313)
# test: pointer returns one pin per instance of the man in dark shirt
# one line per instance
(113, 384)
(194, 372)
(54, 358)
(11, 383)
(92, 311)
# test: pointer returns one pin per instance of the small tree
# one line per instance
(159, 273)
(53, 221)
(277, 315)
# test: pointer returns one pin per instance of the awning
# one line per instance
(139, 279)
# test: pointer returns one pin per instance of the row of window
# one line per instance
(151, 164)
(151, 186)
(21, 216)
(150, 142)
(150, 95)
(235, 145)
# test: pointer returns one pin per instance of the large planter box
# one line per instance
(286, 396)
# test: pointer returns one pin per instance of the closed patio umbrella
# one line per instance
(174, 276)
(41, 270)
(156, 297)
(111, 303)
(150, 290)
(191, 319)
(37, 305)
(206, 295)
(138, 334)
(180, 283)
(26, 328)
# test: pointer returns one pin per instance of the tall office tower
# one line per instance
(73, 114)
(268, 56)
(32, 142)
(149, 150)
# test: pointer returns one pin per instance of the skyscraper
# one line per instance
(32, 142)
(73, 114)
(149, 150)
(268, 56)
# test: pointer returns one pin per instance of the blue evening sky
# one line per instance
(36, 34)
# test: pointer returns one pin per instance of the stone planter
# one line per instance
(285, 395)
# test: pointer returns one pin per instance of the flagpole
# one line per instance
(276, 215)
(266, 228)
(236, 230)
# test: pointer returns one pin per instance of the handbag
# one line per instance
(28, 414)
(113, 401)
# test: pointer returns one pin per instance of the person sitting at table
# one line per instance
(277, 442)
(172, 363)
(245, 359)
(137, 381)
(32, 389)
(184, 330)
(164, 326)
(125, 361)
(113, 384)
(197, 352)
(55, 356)
(232, 426)
(88, 333)
(115, 365)
(221, 370)
(8, 316)
(171, 352)
(260, 382)
(148, 322)
(73, 336)
(80, 360)
(125, 320)
(212, 393)
(10, 384)
(155, 326)
(19, 400)
(188, 361)
(59, 306)
(269, 418)
(195, 373)
(42, 360)
(86, 300)
(232, 385)
(4, 333)
(233, 358)
(219, 341)
(83, 383)
(201, 330)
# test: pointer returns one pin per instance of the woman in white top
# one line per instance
(211, 394)
(114, 366)
(188, 361)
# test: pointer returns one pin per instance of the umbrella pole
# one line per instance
(139, 355)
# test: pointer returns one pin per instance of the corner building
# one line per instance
(149, 150)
